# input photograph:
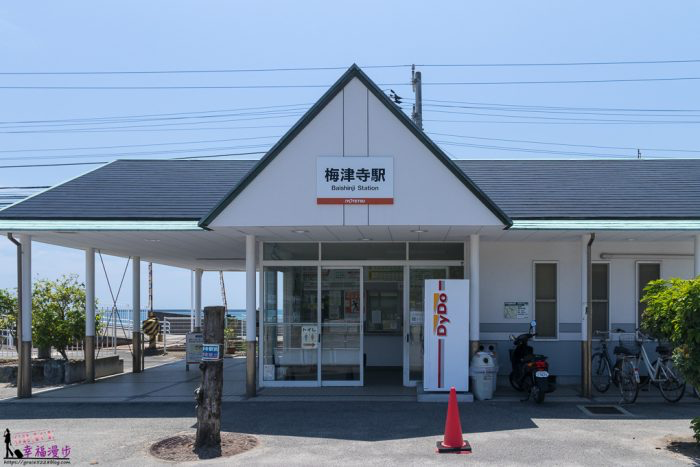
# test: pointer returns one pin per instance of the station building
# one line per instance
(354, 208)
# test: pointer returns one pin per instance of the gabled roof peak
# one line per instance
(354, 71)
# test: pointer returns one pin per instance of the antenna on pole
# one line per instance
(417, 90)
(639, 154)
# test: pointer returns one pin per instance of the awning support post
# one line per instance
(474, 317)
(24, 381)
(198, 300)
(250, 314)
(89, 349)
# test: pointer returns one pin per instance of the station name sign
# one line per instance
(355, 180)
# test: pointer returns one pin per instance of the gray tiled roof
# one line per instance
(604, 189)
(137, 189)
(524, 189)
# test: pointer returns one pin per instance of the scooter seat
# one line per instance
(533, 357)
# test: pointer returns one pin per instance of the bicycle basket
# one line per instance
(629, 342)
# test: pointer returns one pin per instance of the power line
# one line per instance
(131, 154)
(628, 62)
(215, 70)
(627, 148)
(332, 68)
(562, 107)
(129, 127)
(137, 145)
(537, 117)
(260, 115)
(569, 112)
(562, 122)
(129, 117)
(570, 81)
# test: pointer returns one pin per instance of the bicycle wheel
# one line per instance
(671, 382)
(629, 388)
(601, 375)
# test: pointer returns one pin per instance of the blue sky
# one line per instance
(178, 35)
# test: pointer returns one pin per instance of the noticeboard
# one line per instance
(516, 310)
(211, 352)
(193, 347)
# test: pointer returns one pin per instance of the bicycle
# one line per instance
(661, 372)
(603, 372)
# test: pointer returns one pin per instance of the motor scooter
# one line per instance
(530, 372)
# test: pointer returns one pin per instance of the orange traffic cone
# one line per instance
(453, 441)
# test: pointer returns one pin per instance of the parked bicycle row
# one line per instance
(633, 368)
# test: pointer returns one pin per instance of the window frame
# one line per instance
(637, 296)
(556, 300)
(608, 264)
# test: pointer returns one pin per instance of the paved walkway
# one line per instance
(166, 380)
(169, 382)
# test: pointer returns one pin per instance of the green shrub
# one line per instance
(8, 312)
(673, 313)
(58, 313)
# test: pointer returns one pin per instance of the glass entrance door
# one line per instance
(341, 327)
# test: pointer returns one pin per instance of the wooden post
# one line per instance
(208, 440)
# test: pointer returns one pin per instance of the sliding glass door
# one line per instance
(341, 327)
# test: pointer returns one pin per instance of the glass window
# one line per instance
(290, 251)
(384, 300)
(436, 251)
(646, 272)
(290, 322)
(546, 299)
(601, 297)
(341, 320)
(363, 251)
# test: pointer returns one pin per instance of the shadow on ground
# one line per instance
(363, 421)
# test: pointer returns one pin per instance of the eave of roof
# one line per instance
(98, 225)
(355, 72)
(606, 224)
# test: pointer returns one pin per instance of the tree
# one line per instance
(8, 313)
(673, 313)
(58, 313)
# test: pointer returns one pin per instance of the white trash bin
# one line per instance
(492, 348)
(482, 373)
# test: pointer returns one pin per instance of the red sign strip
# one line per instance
(354, 200)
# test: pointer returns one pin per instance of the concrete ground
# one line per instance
(368, 433)
(115, 420)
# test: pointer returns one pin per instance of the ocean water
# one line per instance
(126, 315)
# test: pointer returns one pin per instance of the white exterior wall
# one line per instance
(355, 123)
(507, 276)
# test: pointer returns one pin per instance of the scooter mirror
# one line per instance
(533, 323)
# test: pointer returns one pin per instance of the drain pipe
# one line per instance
(588, 345)
(22, 378)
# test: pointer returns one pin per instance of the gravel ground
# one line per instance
(370, 433)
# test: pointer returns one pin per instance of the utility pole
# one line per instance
(223, 297)
(417, 90)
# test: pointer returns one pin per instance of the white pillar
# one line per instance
(697, 256)
(250, 294)
(90, 315)
(250, 314)
(474, 317)
(584, 285)
(26, 241)
(198, 299)
(24, 380)
(90, 292)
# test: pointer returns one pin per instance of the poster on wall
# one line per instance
(309, 336)
(516, 310)
(355, 180)
(446, 334)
